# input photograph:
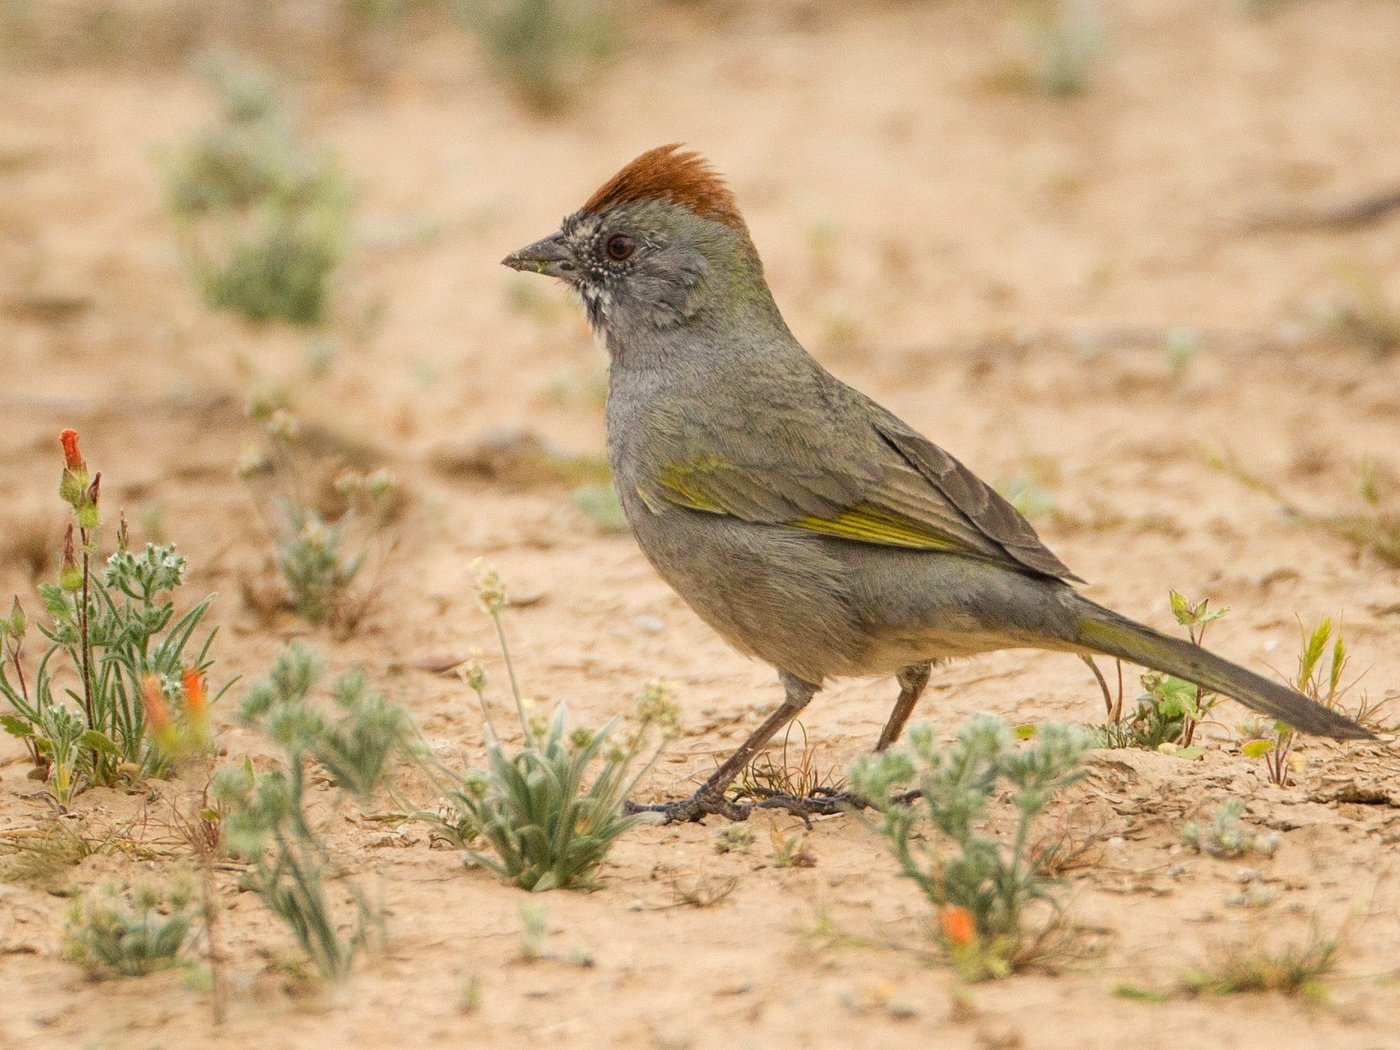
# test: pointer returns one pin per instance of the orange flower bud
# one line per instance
(157, 712)
(72, 486)
(72, 458)
(70, 576)
(958, 925)
(195, 700)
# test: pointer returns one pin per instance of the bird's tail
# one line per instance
(1105, 631)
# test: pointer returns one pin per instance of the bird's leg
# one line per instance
(1113, 710)
(710, 797)
(913, 680)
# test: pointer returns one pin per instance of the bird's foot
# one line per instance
(695, 808)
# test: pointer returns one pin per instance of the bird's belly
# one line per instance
(823, 608)
(770, 591)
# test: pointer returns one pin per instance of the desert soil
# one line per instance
(1066, 292)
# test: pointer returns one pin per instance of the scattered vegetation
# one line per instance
(981, 888)
(131, 931)
(1364, 316)
(1170, 708)
(1289, 969)
(790, 777)
(1226, 835)
(1068, 40)
(265, 817)
(321, 540)
(547, 826)
(45, 855)
(1372, 528)
(545, 50)
(261, 216)
(117, 658)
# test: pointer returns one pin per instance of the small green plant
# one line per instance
(1322, 661)
(1068, 38)
(1170, 708)
(546, 50)
(318, 554)
(1364, 316)
(791, 851)
(981, 887)
(1289, 969)
(1372, 528)
(547, 825)
(81, 711)
(262, 217)
(790, 777)
(1226, 835)
(534, 928)
(265, 818)
(733, 838)
(131, 931)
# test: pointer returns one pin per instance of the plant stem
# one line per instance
(510, 672)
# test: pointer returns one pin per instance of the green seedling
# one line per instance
(1170, 708)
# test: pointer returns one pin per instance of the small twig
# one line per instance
(1347, 214)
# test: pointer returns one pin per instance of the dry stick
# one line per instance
(204, 853)
(1340, 215)
(14, 648)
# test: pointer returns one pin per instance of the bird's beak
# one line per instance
(550, 257)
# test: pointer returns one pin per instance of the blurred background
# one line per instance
(1135, 262)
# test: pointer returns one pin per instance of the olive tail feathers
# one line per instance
(1106, 632)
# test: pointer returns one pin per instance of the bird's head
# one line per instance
(659, 245)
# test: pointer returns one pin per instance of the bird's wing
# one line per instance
(873, 481)
(980, 504)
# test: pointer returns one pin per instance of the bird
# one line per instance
(807, 525)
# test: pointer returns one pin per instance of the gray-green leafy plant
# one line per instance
(981, 885)
(1226, 835)
(265, 819)
(111, 627)
(131, 931)
(318, 557)
(261, 215)
(551, 810)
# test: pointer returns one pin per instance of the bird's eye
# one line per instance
(621, 247)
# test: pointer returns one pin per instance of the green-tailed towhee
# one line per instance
(803, 522)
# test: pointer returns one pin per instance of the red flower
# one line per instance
(72, 458)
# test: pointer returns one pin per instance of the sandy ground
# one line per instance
(1002, 269)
